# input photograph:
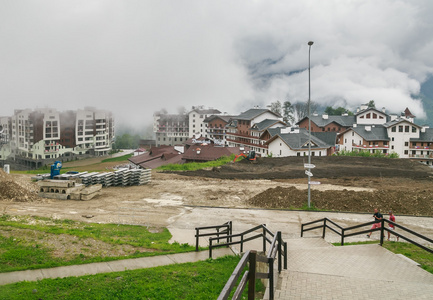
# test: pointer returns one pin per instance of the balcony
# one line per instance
(421, 147)
(370, 146)
(419, 156)
(245, 143)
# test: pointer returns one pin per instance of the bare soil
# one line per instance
(350, 184)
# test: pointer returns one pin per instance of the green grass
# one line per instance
(366, 153)
(199, 280)
(18, 252)
(117, 159)
(424, 258)
(197, 165)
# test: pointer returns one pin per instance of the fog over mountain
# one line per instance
(135, 57)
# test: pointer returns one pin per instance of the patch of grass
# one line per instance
(366, 153)
(312, 207)
(18, 254)
(197, 165)
(424, 258)
(199, 280)
(117, 159)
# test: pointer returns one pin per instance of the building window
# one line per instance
(392, 139)
(413, 152)
(400, 128)
(406, 128)
(393, 129)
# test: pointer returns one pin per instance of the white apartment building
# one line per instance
(196, 117)
(37, 135)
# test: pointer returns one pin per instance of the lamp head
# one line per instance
(310, 43)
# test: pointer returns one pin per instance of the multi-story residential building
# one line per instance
(216, 128)
(171, 129)
(46, 134)
(398, 135)
(5, 135)
(294, 141)
(196, 117)
(247, 128)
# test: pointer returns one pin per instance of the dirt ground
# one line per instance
(350, 184)
(347, 184)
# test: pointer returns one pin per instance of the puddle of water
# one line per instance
(163, 202)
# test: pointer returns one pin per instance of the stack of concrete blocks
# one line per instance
(67, 190)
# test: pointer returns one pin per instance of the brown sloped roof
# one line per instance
(154, 153)
(407, 113)
(163, 160)
(209, 152)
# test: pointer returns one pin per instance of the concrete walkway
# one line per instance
(111, 266)
(318, 270)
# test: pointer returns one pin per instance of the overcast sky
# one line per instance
(135, 56)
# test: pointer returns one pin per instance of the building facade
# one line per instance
(46, 134)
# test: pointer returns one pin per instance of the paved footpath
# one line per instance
(110, 266)
(319, 270)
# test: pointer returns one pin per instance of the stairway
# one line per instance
(319, 270)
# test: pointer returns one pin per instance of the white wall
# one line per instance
(280, 149)
(401, 138)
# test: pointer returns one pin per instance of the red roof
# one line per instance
(209, 152)
(163, 160)
(407, 113)
(154, 153)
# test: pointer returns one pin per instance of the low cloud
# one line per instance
(136, 57)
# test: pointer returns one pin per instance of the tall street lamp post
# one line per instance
(310, 43)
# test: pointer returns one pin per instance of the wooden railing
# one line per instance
(224, 229)
(343, 232)
(277, 251)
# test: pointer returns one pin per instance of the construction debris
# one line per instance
(85, 186)
(67, 190)
(13, 189)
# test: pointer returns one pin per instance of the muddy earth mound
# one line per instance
(402, 202)
(12, 188)
(330, 167)
(402, 185)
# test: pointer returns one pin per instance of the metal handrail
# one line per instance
(382, 230)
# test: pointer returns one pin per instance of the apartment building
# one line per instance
(247, 129)
(295, 141)
(171, 129)
(216, 128)
(196, 120)
(389, 134)
(46, 134)
(174, 129)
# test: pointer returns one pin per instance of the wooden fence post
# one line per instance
(252, 275)
(196, 239)
(324, 228)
